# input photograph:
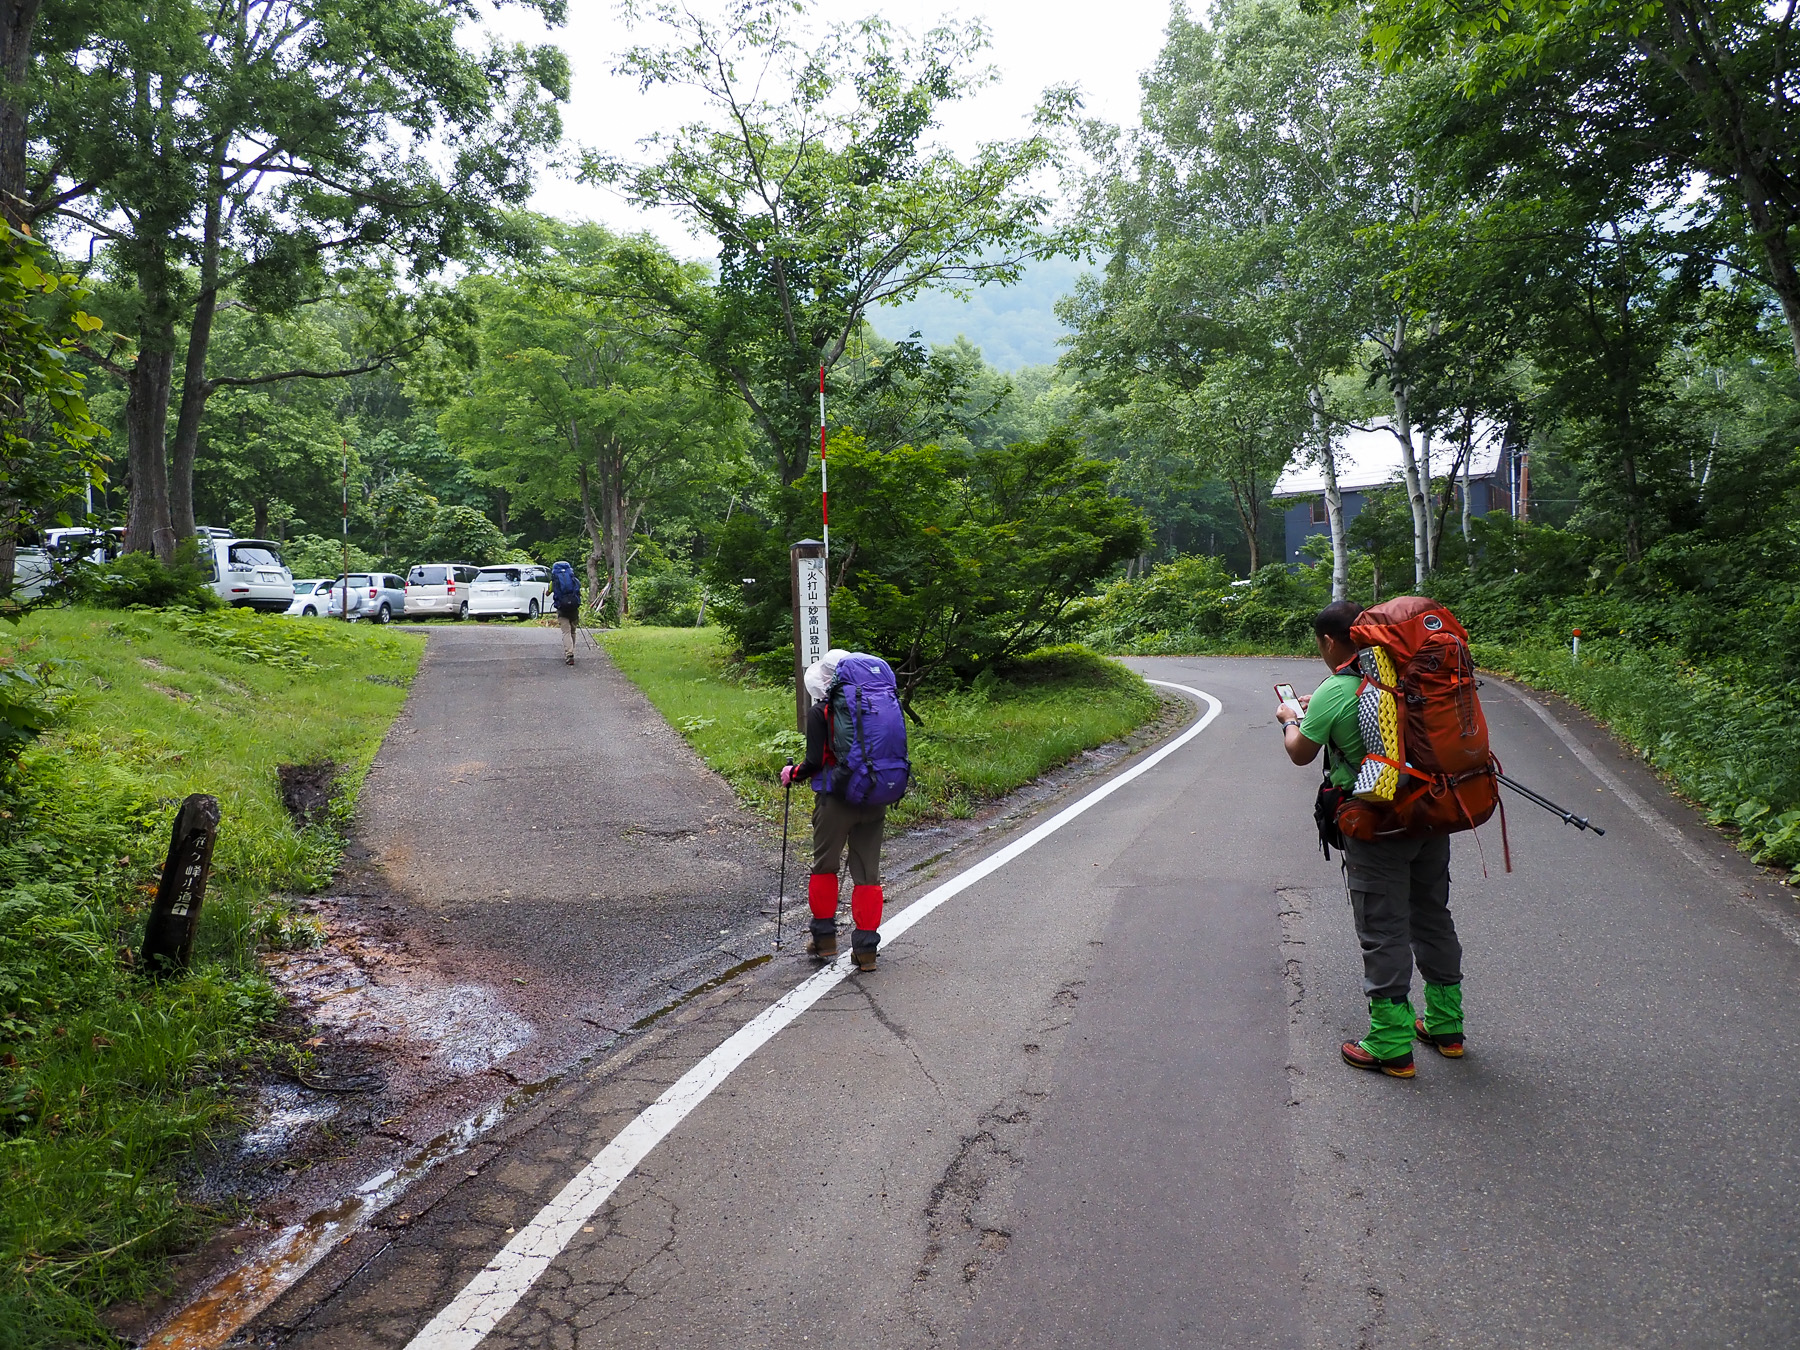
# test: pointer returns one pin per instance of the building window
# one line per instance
(1319, 516)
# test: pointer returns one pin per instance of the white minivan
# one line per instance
(247, 573)
(519, 589)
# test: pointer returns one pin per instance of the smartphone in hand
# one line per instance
(1285, 692)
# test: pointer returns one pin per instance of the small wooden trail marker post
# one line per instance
(175, 917)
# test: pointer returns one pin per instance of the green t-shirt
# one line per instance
(1331, 721)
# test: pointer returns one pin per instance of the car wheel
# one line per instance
(383, 614)
(534, 609)
(463, 613)
(309, 613)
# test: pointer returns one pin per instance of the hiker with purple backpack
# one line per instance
(856, 762)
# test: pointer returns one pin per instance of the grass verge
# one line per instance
(110, 1084)
(976, 744)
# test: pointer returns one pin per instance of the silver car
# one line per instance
(376, 596)
(439, 588)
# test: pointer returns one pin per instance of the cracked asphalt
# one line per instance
(1095, 1100)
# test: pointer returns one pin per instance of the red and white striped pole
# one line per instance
(824, 485)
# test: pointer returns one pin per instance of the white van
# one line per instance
(519, 589)
(247, 573)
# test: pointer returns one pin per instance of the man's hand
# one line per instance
(787, 775)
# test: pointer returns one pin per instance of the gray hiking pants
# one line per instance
(1400, 896)
(837, 824)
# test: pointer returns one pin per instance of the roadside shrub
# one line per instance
(670, 598)
(139, 579)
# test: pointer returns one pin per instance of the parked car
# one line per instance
(247, 573)
(309, 597)
(31, 572)
(519, 589)
(77, 541)
(439, 588)
(376, 596)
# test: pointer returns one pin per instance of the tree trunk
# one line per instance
(1409, 460)
(262, 519)
(147, 525)
(1334, 499)
(1245, 501)
(195, 389)
(17, 18)
(591, 523)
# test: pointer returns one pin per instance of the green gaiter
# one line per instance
(1390, 1028)
(1443, 1009)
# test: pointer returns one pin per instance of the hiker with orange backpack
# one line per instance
(1401, 679)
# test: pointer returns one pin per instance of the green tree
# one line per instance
(49, 445)
(816, 177)
(1704, 86)
(264, 152)
(578, 400)
(951, 560)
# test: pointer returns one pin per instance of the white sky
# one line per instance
(1035, 43)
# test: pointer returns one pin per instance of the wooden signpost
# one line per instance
(175, 917)
(812, 627)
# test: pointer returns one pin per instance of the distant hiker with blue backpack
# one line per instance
(565, 597)
(856, 762)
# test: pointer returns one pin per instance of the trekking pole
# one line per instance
(1568, 817)
(787, 793)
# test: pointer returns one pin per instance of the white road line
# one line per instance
(487, 1298)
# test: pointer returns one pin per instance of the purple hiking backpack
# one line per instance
(868, 734)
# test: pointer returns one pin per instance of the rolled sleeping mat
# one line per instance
(1378, 718)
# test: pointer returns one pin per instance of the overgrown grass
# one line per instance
(1722, 737)
(976, 744)
(109, 1082)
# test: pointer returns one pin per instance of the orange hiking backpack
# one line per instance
(1432, 748)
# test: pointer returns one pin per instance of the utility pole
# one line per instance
(824, 485)
(345, 580)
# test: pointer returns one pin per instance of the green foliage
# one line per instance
(48, 441)
(462, 534)
(578, 413)
(948, 562)
(812, 171)
(1020, 719)
(670, 598)
(139, 579)
(110, 1084)
(313, 555)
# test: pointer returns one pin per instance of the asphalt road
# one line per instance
(1095, 1100)
(544, 821)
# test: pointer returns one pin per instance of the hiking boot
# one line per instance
(1449, 1044)
(568, 658)
(864, 958)
(823, 942)
(1400, 1066)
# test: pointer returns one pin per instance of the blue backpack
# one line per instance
(868, 734)
(565, 590)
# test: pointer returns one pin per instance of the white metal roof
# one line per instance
(1371, 458)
